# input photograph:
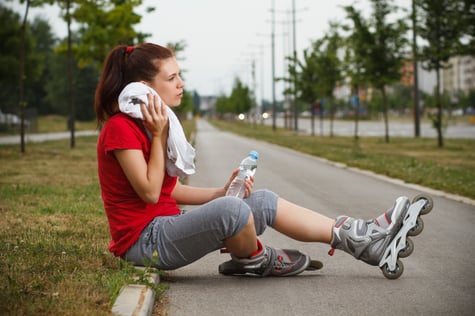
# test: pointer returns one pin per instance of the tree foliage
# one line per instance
(441, 29)
(305, 76)
(354, 58)
(467, 20)
(240, 100)
(316, 75)
(45, 56)
(381, 49)
(104, 24)
(10, 29)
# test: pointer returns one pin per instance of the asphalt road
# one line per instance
(439, 278)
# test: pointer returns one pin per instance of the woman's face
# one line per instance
(167, 83)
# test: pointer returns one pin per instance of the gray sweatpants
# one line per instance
(171, 242)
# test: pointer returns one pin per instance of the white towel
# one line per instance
(180, 153)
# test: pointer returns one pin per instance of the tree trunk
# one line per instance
(440, 139)
(312, 111)
(357, 112)
(332, 115)
(72, 117)
(385, 113)
(21, 89)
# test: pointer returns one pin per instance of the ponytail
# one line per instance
(123, 65)
(110, 84)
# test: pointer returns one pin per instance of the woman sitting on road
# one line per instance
(141, 198)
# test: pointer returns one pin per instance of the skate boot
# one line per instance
(367, 240)
(267, 261)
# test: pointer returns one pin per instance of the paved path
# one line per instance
(41, 137)
(340, 128)
(376, 128)
(438, 280)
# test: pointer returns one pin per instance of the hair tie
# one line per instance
(129, 49)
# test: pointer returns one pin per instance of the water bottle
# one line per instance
(247, 168)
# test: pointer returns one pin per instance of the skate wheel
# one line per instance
(407, 251)
(428, 206)
(416, 230)
(314, 265)
(392, 275)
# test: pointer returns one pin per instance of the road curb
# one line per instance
(136, 299)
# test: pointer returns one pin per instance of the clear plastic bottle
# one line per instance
(247, 168)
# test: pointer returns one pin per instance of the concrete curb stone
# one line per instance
(136, 299)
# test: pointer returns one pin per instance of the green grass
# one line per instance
(57, 123)
(54, 233)
(420, 161)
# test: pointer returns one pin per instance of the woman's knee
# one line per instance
(235, 215)
(263, 204)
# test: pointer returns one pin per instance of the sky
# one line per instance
(225, 37)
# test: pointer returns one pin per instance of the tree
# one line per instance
(57, 92)
(103, 25)
(241, 98)
(22, 47)
(223, 105)
(10, 24)
(45, 43)
(239, 101)
(317, 74)
(385, 50)
(354, 60)
(329, 68)
(467, 21)
(441, 30)
(304, 77)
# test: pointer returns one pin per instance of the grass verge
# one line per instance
(54, 233)
(420, 161)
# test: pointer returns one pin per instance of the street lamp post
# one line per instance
(274, 105)
(417, 120)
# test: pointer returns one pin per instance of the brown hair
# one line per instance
(123, 65)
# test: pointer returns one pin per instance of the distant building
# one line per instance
(208, 105)
(426, 79)
(460, 76)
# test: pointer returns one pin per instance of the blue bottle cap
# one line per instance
(254, 154)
